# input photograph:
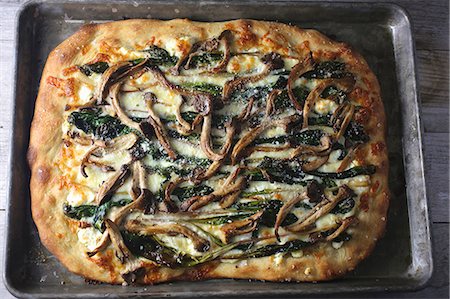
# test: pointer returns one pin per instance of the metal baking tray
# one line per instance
(380, 32)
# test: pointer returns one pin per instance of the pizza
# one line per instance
(181, 150)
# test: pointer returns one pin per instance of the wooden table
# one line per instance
(430, 22)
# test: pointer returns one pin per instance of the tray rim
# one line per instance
(424, 226)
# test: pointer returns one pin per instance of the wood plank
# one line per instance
(436, 175)
(433, 78)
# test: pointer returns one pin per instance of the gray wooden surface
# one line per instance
(431, 30)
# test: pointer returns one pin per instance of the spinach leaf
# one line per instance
(96, 213)
(219, 220)
(206, 59)
(150, 248)
(271, 209)
(278, 171)
(213, 89)
(283, 101)
(275, 248)
(352, 172)
(186, 192)
(159, 56)
(98, 67)
(327, 69)
(344, 206)
(309, 137)
(355, 133)
(104, 127)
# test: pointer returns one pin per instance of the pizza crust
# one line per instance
(47, 196)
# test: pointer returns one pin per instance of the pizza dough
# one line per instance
(180, 150)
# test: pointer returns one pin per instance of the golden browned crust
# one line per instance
(323, 262)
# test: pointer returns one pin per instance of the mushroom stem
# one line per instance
(284, 211)
(299, 69)
(158, 127)
(112, 184)
(240, 227)
(171, 229)
(319, 210)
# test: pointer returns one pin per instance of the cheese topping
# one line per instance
(210, 157)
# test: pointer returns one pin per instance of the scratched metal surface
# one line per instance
(401, 260)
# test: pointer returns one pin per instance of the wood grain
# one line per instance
(433, 81)
(430, 23)
(436, 176)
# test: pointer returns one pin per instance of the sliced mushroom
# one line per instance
(115, 74)
(225, 38)
(212, 45)
(139, 204)
(253, 133)
(284, 211)
(134, 268)
(240, 227)
(344, 225)
(206, 174)
(323, 149)
(319, 210)
(348, 158)
(346, 84)
(140, 191)
(240, 82)
(119, 111)
(341, 118)
(171, 229)
(157, 125)
(228, 200)
(247, 139)
(112, 184)
(298, 70)
(169, 205)
(270, 103)
(205, 140)
(232, 184)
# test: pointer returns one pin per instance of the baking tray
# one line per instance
(380, 32)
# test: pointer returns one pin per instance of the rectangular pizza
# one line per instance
(182, 150)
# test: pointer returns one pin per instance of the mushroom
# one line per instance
(134, 268)
(168, 203)
(232, 184)
(240, 82)
(344, 225)
(112, 184)
(229, 199)
(270, 103)
(119, 111)
(205, 139)
(284, 211)
(118, 143)
(341, 118)
(86, 160)
(346, 84)
(113, 75)
(142, 202)
(253, 133)
(213, 45)
(319, 210)
(206, 174)
(157, 126)
(321, 150)
(298, 70)
(139, 190)
(171, 229)
(240, 227)
(348, 158)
